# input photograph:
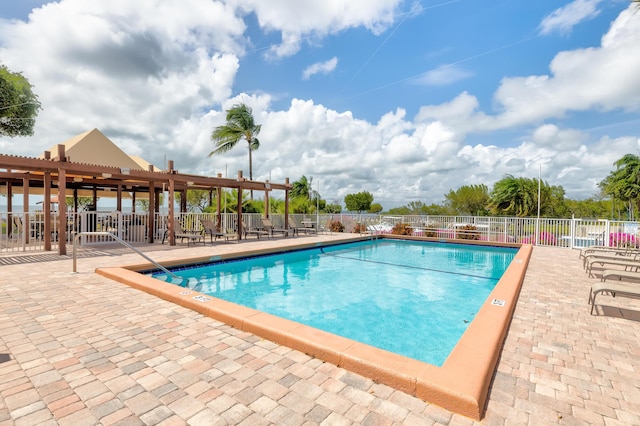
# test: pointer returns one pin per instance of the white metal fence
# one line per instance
(22, 232)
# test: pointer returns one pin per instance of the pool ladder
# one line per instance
(181, 280)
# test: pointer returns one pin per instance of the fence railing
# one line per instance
(22, 232)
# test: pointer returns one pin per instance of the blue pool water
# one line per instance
(412, 298)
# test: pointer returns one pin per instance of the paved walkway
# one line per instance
(79, 349)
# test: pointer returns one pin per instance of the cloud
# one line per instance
(563, 20)
(550, 135)
(320, 68)
(600, 78)
(444, 75)
(129, 68)
(298, 21)
(156, 77)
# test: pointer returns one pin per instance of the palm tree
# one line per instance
(240, 125)
(514, 196)
(303, 187)
(624, 182)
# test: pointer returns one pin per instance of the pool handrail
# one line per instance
(124, 243)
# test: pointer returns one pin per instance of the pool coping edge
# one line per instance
(460, 385)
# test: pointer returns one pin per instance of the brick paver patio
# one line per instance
(79, 349)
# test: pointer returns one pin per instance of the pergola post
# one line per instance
(46, 206)
(151, 214)
(62, 212)
(26, 227)
(119, 197)
(286, 204)
(9, 209)
(171, 219)
(239, 208)
(219, 206)
(266, 198)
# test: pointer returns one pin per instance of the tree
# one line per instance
(143, 204)
(469, 199)
(240, 125)
(517, 196)
(624, 182)
(303, 187)
(553, 202)
(375, 208)
(302, 205)
(358, 202)
(333, 208)
(18, 104)
(589, 208)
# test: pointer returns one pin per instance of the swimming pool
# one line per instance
(413, 298)
(461, 384)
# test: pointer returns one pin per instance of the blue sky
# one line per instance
(405, 99)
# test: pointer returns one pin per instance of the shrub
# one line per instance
(622, 239)
(545, 238)
(469, 232)
(430, 232)
(359, 228)
(402, 229)
(336, 226)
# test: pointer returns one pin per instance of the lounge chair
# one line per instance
(268, 226)
(610, 251)
(622, 289)
(325, 228)
(608, 255)
(309, 228)
(182, 233)
(211, 229)
(257, 231)
(620, 274)
(631, 263)
(294, 227)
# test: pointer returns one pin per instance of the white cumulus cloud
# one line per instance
(325, 67)
(563, 20)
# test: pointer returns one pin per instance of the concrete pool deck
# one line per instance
(83, 349)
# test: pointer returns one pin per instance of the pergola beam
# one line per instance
(28, 172)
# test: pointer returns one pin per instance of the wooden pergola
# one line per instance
(55, 175)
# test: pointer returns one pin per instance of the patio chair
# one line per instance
(17, 227)
(268, 226)
(294, 228)
(620, 274)
(182, 233)
(211, 229)
(257, 231)
(628, 263)
(609, 255)
(607, 250)
(309, 227)
(622, 289)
